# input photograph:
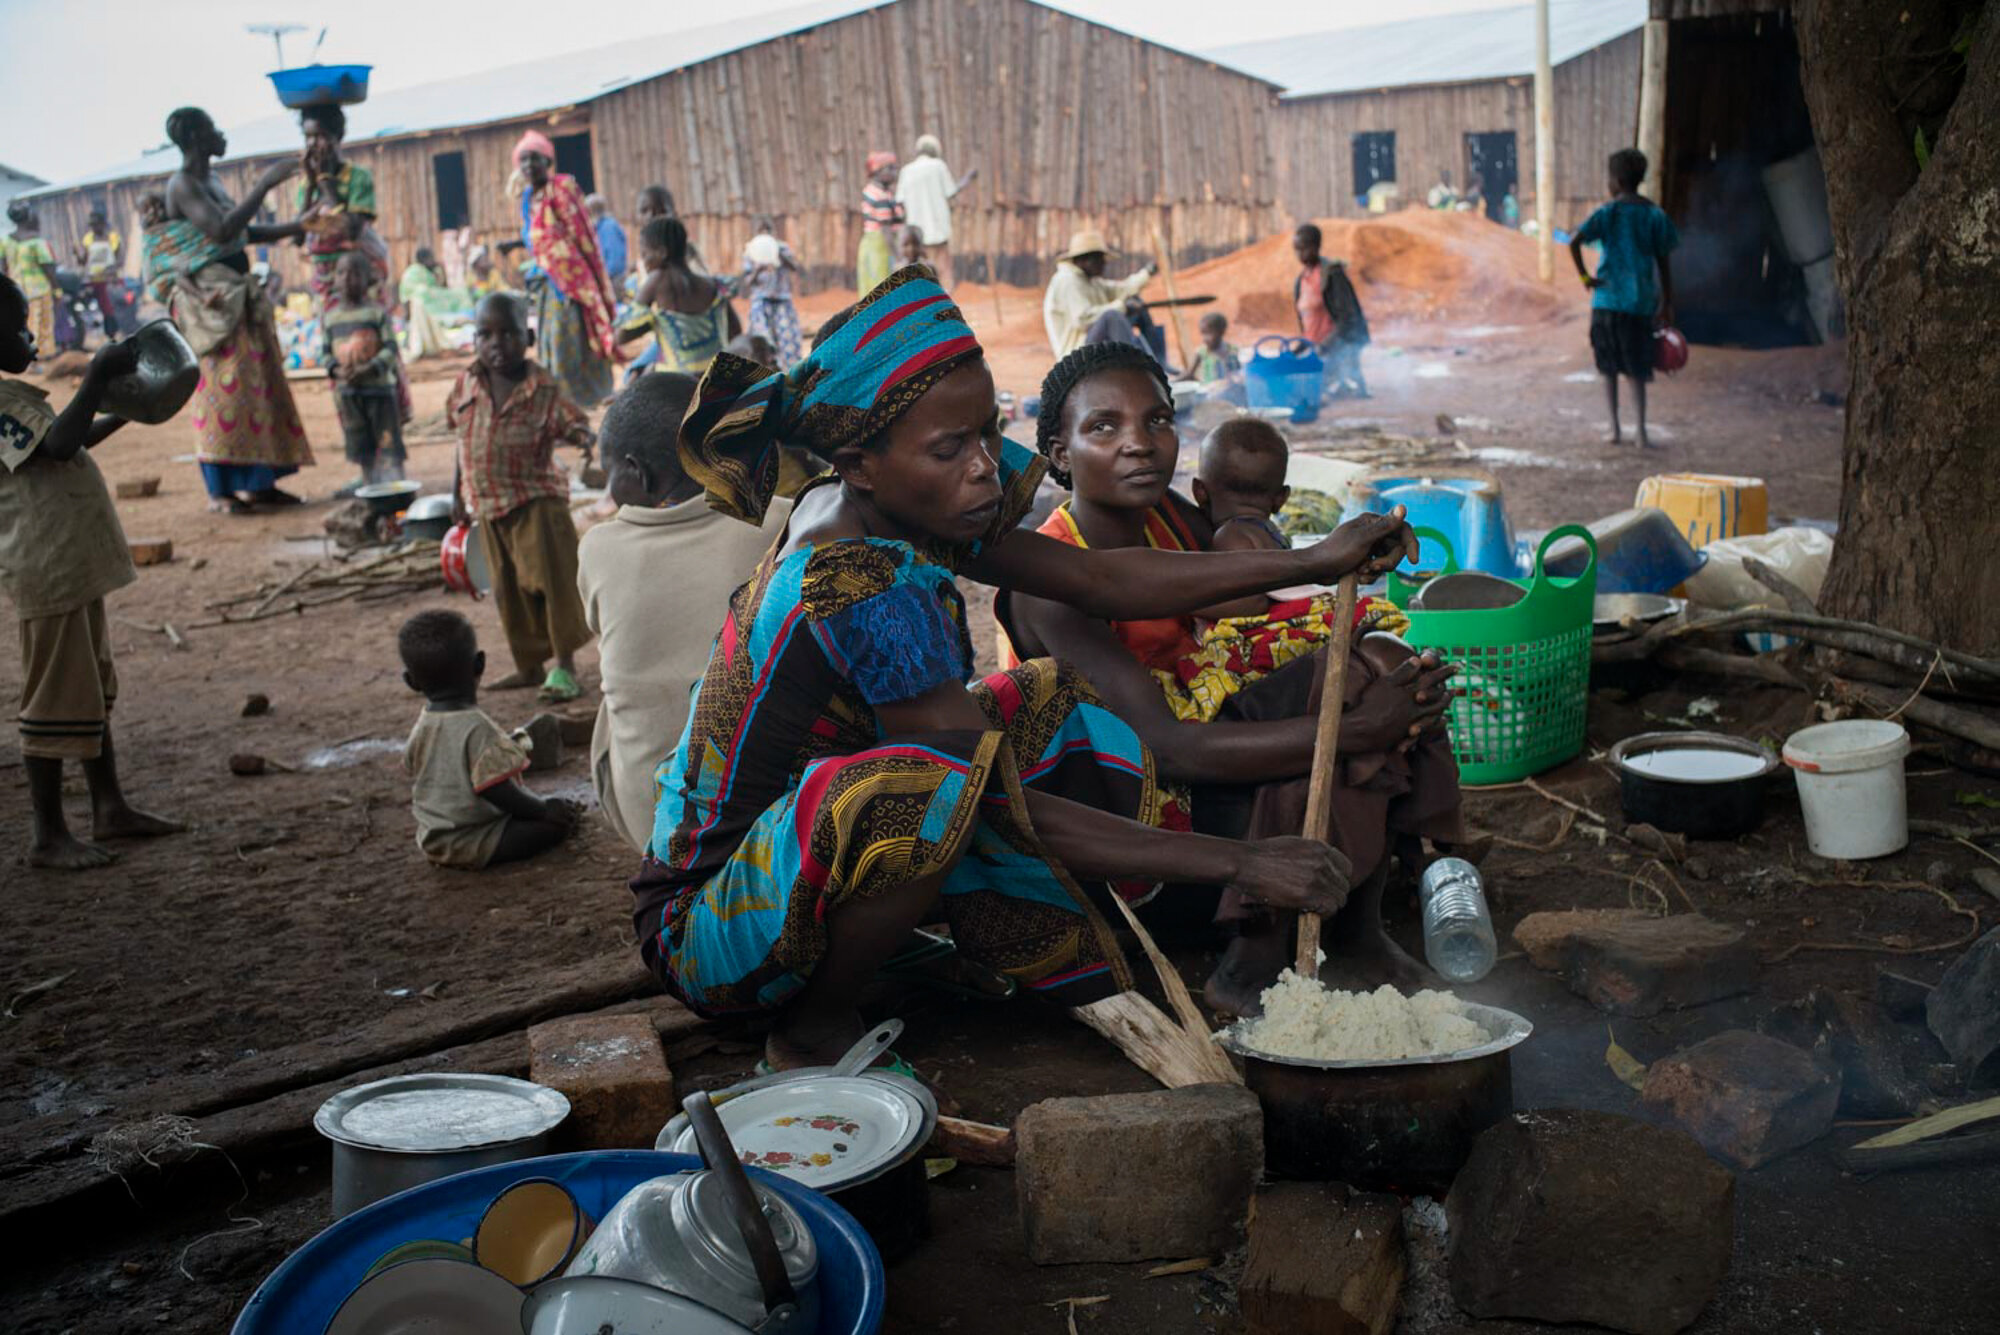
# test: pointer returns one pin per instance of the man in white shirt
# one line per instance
(925, 190)
(1082, 306)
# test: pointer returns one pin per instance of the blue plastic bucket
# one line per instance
(302, 1294)
(1289, 377)
(1468, 510)
(317, 85)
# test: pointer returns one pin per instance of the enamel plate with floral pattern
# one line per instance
(827, 1133)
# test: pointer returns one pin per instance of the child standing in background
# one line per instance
(358, 349)
(1627, 301)
(510, 415)
(880, 214)
(768, 266)
(471, 812)
(1330, 314)
(61, 551)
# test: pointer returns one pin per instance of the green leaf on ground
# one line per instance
(1622, 1063)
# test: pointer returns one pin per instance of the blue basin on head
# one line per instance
(303, 1293)
(1466, 509)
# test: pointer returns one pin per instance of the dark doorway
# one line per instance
(1374, 160)
(573, 157)
(1735, 107)
(1493, 159)
(448, 177)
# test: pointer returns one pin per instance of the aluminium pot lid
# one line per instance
(440, 1113)
(828, 1132)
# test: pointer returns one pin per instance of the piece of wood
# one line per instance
(1156, 1044)
(1326, 753)
(404, 1032)
(1167, 273)
(136, 488)
(974, 1142)
(150, 551)
(1980, 1147)
(1937, 1124)
(1979, 729)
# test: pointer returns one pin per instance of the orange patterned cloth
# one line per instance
(565, 244)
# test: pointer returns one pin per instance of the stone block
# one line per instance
(1857, 1040)
(1324, 1260)
(1567, 1215)
(614, 1073)
(1136, 1177)
(150, 551)
(1963, 1010)
(1631, 963)
(136, 488)
(1747, 1097)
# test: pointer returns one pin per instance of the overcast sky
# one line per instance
(89, 84)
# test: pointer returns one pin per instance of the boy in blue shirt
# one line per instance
(1635, 237)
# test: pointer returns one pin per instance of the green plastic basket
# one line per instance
(1524, 670)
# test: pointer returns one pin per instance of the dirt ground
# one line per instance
(298, 906)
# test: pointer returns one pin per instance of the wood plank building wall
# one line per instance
(1071, 124)
(1597, 112)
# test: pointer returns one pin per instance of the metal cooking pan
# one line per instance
(1405, 1124)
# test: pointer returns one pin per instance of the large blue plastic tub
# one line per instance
(1468, 510)
(317, 85)
(301, 1295)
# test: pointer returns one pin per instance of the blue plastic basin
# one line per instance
(317, 85)
(1468, 510)
(1638, 551)
(302, 1295)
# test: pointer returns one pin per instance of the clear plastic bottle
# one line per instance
(1458, 931)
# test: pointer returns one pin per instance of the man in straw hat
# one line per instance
(925, 189)
(1082, 306)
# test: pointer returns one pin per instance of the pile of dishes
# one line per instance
(695, 1253)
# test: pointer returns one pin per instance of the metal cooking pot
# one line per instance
(390, 1135)
(1718, 801)
(388, 498)
(428, 517)
(1406, 1124)
(163, 381)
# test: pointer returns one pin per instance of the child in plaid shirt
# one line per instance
(510, 415)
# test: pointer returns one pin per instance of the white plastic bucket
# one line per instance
(1851, 787)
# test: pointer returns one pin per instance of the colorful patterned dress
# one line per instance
(784, 799)
(576, 322)
(32, 265)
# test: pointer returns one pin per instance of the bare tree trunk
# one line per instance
(1918, 252)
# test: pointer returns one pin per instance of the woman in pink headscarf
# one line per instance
(880, 215)
(576, 322)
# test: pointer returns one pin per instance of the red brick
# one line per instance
(1324, 1260)
(1631, 963)
(1747, 1097)
(614, 1073)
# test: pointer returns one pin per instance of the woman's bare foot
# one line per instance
(1251, 963)
(1613, 437)
(228, 505)
(515, 681)
(1645, 441)
(66, 852)
(796, 1041)
(131, 823)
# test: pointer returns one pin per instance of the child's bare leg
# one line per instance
(50, 844)
(1639, 407)
(1614, 435)
(111, 816)
(523, 839)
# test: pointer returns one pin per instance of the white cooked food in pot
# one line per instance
(1303, 1019)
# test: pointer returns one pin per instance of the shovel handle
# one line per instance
(1326, 750)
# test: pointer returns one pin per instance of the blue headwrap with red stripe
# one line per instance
(868, 366)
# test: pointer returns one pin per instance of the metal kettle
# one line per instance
(714, 1237)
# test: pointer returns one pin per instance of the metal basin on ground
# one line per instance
(1406, 1124)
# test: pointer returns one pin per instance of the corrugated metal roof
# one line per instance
(1450, 48)
(507, 93)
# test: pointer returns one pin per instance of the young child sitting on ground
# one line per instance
(510, 415)
(358, 349)
(1635, 236)
(470, 811)
(656, 582)
(61, 551)
(1218, 362)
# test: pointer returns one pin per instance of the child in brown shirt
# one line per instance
(61, 551)
(471, 812)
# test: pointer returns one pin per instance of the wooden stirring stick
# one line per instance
(1326, 750)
